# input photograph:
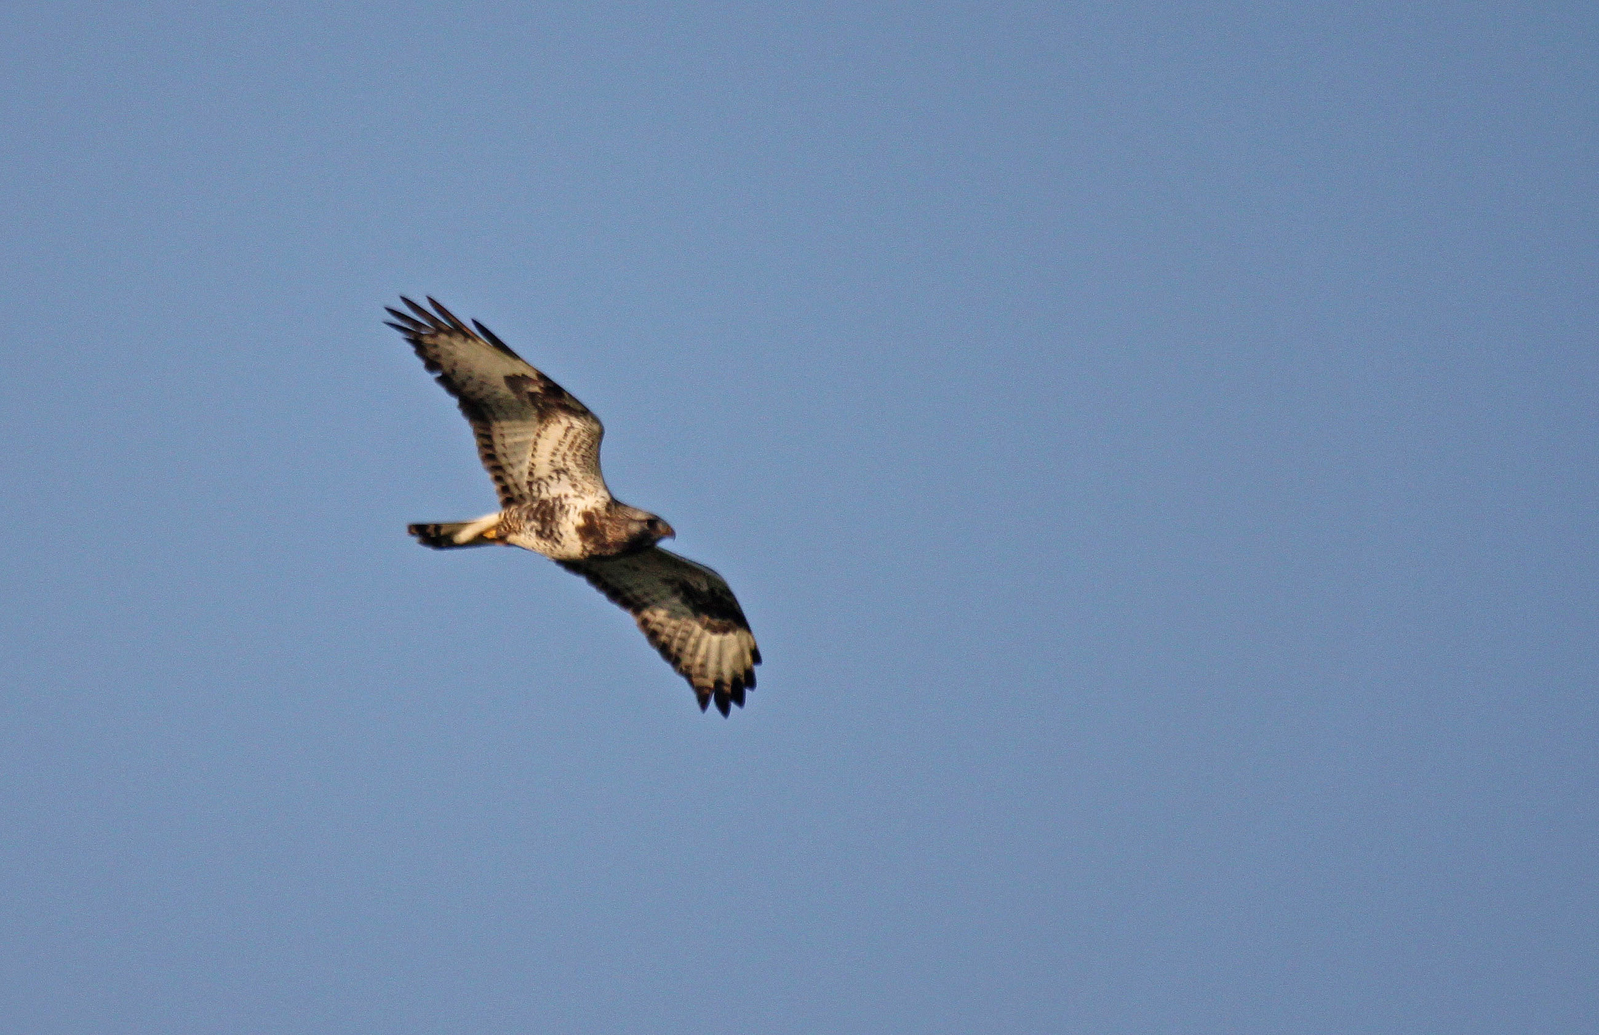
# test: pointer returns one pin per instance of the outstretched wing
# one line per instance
(688, 614)
(532, 435)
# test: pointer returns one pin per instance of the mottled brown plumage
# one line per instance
(541, 447)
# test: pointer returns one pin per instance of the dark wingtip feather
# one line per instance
(755, 659)
(428, 319)
(723, 706)
(705, 701)
(449, 317)
(493, 339)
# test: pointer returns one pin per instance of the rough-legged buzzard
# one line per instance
(542, 448)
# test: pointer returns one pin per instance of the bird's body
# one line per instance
(542, 449)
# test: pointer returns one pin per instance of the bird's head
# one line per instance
(645, 529)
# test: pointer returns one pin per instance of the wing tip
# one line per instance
(724, 694)
(493, 339)
(441, 319)
(448, 317)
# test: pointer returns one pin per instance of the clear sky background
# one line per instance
(1154, 444)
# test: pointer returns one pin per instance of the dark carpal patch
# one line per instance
(720, 610)
(543, 393)
(591, 532)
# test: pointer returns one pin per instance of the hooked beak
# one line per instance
(667, 531)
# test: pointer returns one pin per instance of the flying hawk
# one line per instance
(542, 448)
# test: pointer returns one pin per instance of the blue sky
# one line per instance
(1155, 447)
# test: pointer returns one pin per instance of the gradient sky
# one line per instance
(1155, 446)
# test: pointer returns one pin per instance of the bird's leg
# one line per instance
(485, 527)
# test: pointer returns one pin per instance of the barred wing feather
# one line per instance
(532, 435)
(688, 613)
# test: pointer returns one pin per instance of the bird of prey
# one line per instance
(542, 448)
